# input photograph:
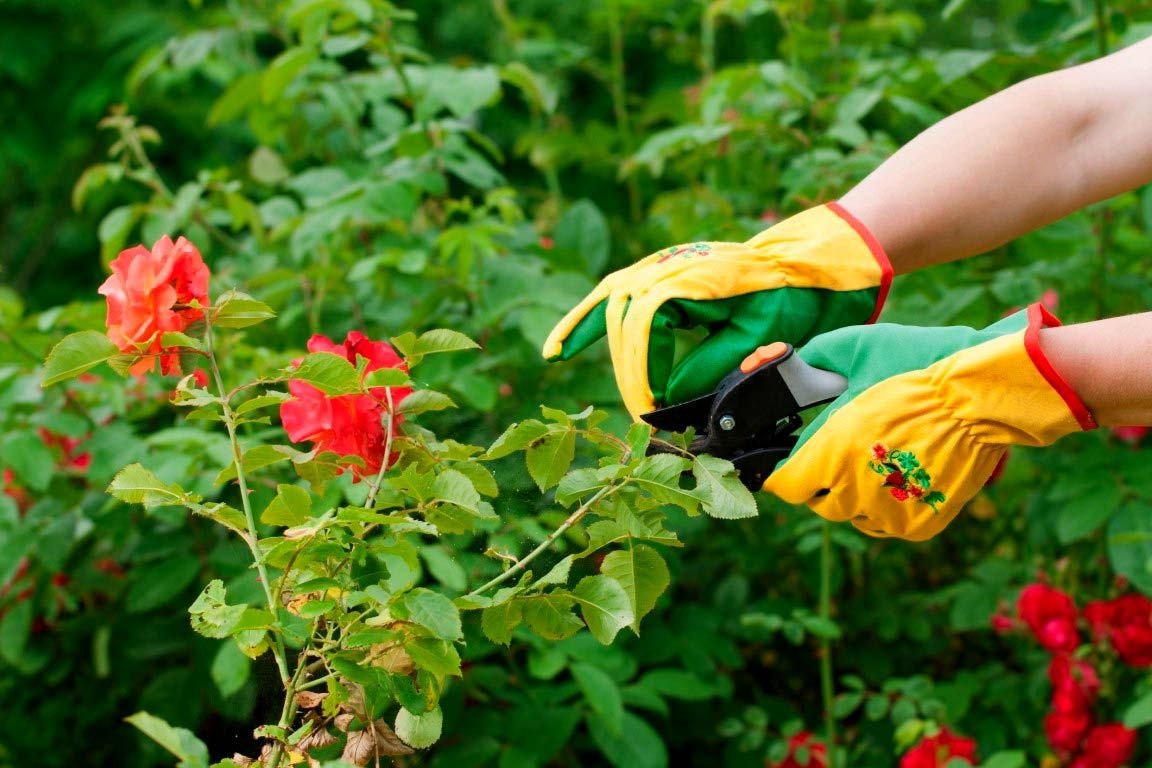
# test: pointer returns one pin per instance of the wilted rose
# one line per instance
(147, 295)
(350, 425)
(1051, 615)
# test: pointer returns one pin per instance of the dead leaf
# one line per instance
(318, 739)
(391, 657)
(310, 699)
(365, 746)
(342, 721)
(243, 760)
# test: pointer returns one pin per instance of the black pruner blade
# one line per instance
(752, 415)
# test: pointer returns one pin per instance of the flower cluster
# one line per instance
(939, 751)
(1071, 725)
(349, 425)
(804, 751)
(150, 293)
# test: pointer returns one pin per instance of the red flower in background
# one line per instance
(1130, 435)
(1126, 623)
(936, 751)
(146, 296)
(66, 447)
(1075, 684)
(1065, 730)
(1051, 615)
(350, 425)
(1106, 746)
(817, 752)
(14, 491)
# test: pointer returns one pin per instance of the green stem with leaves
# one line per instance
(826, 687)
(571, 520)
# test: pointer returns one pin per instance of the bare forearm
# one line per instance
(1016, 161)
(1109, 364)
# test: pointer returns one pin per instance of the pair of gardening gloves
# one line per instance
(927, 414)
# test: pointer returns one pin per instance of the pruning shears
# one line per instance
(752, 416)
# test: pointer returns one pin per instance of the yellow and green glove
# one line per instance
(927, 415)
(811, 273)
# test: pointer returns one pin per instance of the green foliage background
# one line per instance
(479, 164)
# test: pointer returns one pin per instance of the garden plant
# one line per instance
(286, 480)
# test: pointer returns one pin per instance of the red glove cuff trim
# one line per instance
(877, 250)
(1039, 317)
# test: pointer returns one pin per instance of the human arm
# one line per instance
(1109, 365)
(1013, 162)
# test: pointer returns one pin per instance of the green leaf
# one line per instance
(29, 458)
(721, 491)
(678, 684)
(453, 487)
(262, 401)
(441, 340)
(637, 745)
(179, 741)
(227, 516)
(239, 310)
(579, 483)
(1006, 759)
(283, 70)
(419, 731)
(291, 507)
(75, 354)
(435, 612)
(659, 475)
(136, 485)
(1139, 713)
(1130, 544)
(155, 584)
(254, 458)
(1146, 207)
(604, 605)
(331, 374)
(230, 669)
(642, 573)
(1079, 517)
(550, 616)
(516, 438)
(386, 377)
(498, 621)
(211, 616)
(423, 400)
(549, 458)
(15, 629)
(602, 695)
(582, 238)
(557, 575)
(174, 339)
(436, 656)
(819, 626)
(444, 567)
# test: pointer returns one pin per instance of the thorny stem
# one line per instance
(826, 687)
(573, 518)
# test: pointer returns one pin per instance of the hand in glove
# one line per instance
(814, 272)
(927, 415)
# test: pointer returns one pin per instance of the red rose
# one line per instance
(547, 243)
(14, 491)
(915, 491)
(1075, 684)
(1130, 435)
(817, 752)
(350, 425)
(1051, 615)
(1108, 746)
(1003, 624)
(879, 452)
(147, 295)
(200, 376)
(65, 448)
(1126, 623)
(1065, 730)
(898, 493)
(937, 751)
(895, 479)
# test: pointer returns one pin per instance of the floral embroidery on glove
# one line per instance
(684, 251)
(903, 476)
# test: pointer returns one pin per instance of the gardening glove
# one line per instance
(927, 415)
(816, 271)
